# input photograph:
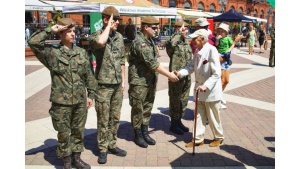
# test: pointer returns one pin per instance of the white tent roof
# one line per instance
(258, 19)
(58, 5)
(213, 13)
(192, 14)
(36, 5)
(124, 10)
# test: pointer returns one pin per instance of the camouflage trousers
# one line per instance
(178, 97)
(272, 55)
(108, 103)
(141, 100)
(69, 122)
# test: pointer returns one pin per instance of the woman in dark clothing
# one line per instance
(261, 37)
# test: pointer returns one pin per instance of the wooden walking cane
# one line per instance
(195, 120)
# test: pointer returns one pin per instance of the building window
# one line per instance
(255, 13)
(262, 1)
(248, 11)
(212, 8)
(261, 14)
(241, 10)
(200, 6)
(187, 5)
(155, 2)
(43, 17)
(172, 4)
(232, 7)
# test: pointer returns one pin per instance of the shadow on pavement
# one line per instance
(271, 139)
(241, 158)
(248, 157)
(258, 64)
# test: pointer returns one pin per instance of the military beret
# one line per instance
(111, 10)
(66, 22)
(180, 24)
(150, 20)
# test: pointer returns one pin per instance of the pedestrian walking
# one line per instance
(272, 49)
(180, 55)
(206, 66)
(142, 78)
(108, 47)
(261, 37)
(71, 75)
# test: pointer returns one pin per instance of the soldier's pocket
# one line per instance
(58, 120)
(135, 99)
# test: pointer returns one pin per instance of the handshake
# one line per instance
(174, 76)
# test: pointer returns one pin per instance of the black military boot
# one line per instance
(175, 127)
(146, 136)
(138, 139)
(77, 161)
(183, 128)
(67, 162)
(102, 158)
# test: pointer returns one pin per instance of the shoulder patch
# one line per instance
(143, 44)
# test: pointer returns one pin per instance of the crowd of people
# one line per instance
(208, 57)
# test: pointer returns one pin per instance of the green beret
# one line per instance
(180, 24)
(66, 22)
(150, 20)
(111, 10)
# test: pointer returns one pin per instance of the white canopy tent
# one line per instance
(192, 14)
(36, 5)
(124, 10)
(58, 5)
(258, 19)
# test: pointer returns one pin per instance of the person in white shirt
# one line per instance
(207, 68)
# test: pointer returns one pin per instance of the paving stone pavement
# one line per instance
(248, 122)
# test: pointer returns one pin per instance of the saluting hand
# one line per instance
(111, 22)
(57, 28)
(182, 28)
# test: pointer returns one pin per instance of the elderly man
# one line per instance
(180, 54)
(206, 65)
(71, 74)
(108, 47)
(142, 78)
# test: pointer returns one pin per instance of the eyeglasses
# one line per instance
(116, 19)
(154, 27)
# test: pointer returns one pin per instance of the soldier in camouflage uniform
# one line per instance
(272, 49)
(108, 47)
(71, 74)
(142, 77)
(130, 35)
(180, 55)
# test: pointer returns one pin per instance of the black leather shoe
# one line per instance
(116, 151)
(77, 161)
(138, 138)
(67, 162)
(183, 128)
(102, 158)
(175, 127)
(146, 136)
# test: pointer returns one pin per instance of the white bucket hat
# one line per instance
(224, 26)
(201, 22)
(200, 32)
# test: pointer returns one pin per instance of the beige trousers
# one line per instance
(210, 111)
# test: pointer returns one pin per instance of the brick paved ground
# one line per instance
(249, 131)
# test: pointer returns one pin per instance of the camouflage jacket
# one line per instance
(109, 58)
(272, 34)
(182, 52)
(142, 62)
(70, 70)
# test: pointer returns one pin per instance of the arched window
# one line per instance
(248, 11)
(241, 10)
(212, 8)
(261, 14)
(172, 4)
(255, 13)
(187, 5)
(200, 6)
(232, 7)
(155, 2)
